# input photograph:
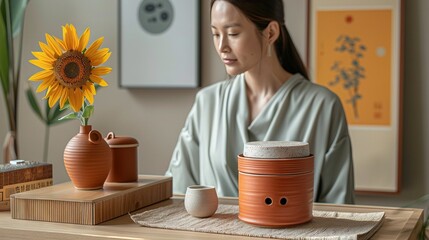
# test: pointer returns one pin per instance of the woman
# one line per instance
(269, 98)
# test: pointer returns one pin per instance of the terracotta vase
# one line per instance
(87, 159)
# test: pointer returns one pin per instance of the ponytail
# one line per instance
(288, 55)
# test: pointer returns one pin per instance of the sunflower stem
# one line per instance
(82, 121)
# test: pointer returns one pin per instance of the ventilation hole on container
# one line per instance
(283, 201)
(268, 201)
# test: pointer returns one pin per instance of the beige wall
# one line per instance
(155, 117)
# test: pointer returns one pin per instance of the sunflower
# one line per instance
(70, 70)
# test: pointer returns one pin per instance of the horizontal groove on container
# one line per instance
(259, 179)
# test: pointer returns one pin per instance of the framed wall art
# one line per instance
(355, 48)
(159, 43)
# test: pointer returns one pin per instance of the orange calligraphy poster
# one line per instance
(353, 55)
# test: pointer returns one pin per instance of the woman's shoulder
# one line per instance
(312, 90)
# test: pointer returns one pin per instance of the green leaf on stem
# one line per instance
(34, 105)
(72, 115)
(55, 114)
(87, 112)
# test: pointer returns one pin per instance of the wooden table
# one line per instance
(399, 223)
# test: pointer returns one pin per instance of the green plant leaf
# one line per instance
(87, 112)
(4, 57)
(55, 114)
(34, 105)
(17, 13)
(72, 115)
(66, 106)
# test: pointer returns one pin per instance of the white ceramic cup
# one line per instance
(201, 201)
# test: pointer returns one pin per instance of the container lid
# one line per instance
(120, 141)
(276, 149)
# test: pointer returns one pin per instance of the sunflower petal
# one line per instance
(74, 103)
(55, 96)
(101, 70)
(54, 45)
(45, 84)
(72, 99)
(91, 87)
(43, 56)
(83, 41)
(94, 47)
(41, 64)
(88, 94)
(61, 43)
(97, 54)
(100, 81)
(64, 97)
(65, 37)
(78, 99)
(74, 37)
(47, 50)
(101, 60)
(41, 75)
(51, 88)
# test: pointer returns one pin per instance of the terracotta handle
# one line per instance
(110, 135)
(95, 137)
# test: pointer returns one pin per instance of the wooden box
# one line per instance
(63, 203)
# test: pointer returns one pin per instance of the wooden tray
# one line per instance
(63, 203)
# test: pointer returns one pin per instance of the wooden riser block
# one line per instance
(63, 203)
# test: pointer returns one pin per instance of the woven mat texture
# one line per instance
(325, 225)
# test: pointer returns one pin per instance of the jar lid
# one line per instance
(276, 149)
(120, 141)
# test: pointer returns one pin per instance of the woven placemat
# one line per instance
(325, 225)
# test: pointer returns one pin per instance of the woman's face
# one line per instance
(236, 39)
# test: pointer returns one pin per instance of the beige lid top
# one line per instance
(276, 149)
(120, 141)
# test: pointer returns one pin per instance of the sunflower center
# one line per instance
(72, 69)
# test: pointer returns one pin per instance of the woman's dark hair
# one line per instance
(261, 13)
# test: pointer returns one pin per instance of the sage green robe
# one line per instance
(217, 128)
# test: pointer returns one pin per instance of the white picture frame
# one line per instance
(159, 43)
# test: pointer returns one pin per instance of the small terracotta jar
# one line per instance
(124, 162)
(275, 183)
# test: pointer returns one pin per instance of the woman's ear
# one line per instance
(272, 32)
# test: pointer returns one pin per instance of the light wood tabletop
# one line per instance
(399, 223)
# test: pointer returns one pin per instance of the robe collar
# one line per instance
(261, 123)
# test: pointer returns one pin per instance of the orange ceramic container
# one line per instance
(87, 159)
(275, 192)
(124, 161)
